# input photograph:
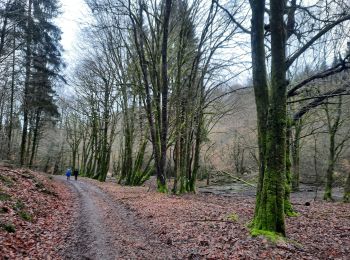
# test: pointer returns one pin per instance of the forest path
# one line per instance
(106, 229)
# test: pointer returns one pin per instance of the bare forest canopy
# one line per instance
(183, 90)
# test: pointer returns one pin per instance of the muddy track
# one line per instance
(106, 229)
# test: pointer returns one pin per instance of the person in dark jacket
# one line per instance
(76, 172)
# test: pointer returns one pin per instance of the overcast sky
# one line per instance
(72, 18)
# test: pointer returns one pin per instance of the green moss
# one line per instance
(162, 188)
(292, 214)
(269, 213)
(25, 216)
(288, 209)
(8, 227)
(4, 196)
(328, 195)
(233, 217)
(272, 236)
(346, 197)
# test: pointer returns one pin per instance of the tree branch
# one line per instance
(343, 65)
(326, 29)
(344, 90)
(240, 26)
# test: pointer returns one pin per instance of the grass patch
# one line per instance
(4, 196)
(292, 214)
(272, 236)
(8, 227)
(233, 217)
(25, 216)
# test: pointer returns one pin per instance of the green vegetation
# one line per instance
(9, 227)
(161, 188)
(4, 196)
(25, 216)
(272, 236)
(233, 217)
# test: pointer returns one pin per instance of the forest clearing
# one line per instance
(87, 219)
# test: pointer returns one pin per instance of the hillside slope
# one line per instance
(34, 215)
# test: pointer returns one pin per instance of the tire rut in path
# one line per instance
(106, 229)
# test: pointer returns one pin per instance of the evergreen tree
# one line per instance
(42, 66)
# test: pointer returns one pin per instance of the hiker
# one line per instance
(68, 173)
(76, 172)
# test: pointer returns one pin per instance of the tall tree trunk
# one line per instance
(26, 83)
(198, 141)
(288, 209)
(139, 42)
(332, 157)
(296, 155)
(29, 139)
(269, 215)
(260, 86)
(9, 144)
(164, 120)
(35, 137)
(330, 169)
(105, 151)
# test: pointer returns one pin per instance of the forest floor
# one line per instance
(34, 215)
(107, 221)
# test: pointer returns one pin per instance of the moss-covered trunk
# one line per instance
(333, 127)
(288, 209)
(296, 155)
(269, 212)
(260, 85)
(330, 169)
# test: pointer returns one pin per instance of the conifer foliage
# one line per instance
(30, 62)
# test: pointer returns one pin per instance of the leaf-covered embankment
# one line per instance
(34, 214)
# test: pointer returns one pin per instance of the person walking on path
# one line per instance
(68, 174)
(76, 172)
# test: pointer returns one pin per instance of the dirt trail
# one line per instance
(106, 229)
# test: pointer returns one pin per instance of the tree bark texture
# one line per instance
(269, 212)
